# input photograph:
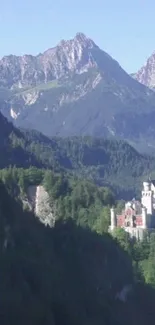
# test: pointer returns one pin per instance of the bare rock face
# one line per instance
(38, 201)
(146, 75)
(67, 57)
(16, 72)
(43, 210)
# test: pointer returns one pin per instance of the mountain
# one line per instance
(146, 75)
(76, 88)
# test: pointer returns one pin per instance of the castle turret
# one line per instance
(147, 197)
(113, 219)
(144, 218)
(146, 186)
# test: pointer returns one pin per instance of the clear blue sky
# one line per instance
(123, 28)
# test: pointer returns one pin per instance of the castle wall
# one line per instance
(121, 220)
(138, 233)
(139, 221)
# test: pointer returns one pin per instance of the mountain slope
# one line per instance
(146, 75)
(106, 162)
(13, 146)
(76, 89)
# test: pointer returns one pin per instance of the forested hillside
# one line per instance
(107, 162)
(81, 200)
(13, 146)
(69, 274)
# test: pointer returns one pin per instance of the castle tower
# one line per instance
(144, 218)
(147, 197)
(113, 219)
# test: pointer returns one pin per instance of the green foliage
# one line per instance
(18, 179)
(103, 220)
(142, 254)
(83, 201)
(148, 264)
(79, 199)
(123, 238)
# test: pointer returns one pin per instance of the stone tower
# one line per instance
(147, 197)
(113, 219)
(144, 218)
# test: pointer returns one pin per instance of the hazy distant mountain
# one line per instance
(76, 88)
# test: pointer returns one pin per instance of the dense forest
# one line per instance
(87, 204)
(106, 162)
(83, 202)
(71, 274)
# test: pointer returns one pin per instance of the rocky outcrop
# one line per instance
(43, 210)
(38, 201)
(146, 75)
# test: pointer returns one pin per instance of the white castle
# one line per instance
(137, 217)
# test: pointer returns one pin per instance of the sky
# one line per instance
(123, 28)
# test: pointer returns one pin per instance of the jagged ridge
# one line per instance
(146, 75)
(76, 88)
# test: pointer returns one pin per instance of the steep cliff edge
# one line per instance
(38, 201)
(43, 210)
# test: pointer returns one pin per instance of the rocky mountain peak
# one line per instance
(80, 39)
(75, 88)
(84, 40)
(146, 75)
(69, 56)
